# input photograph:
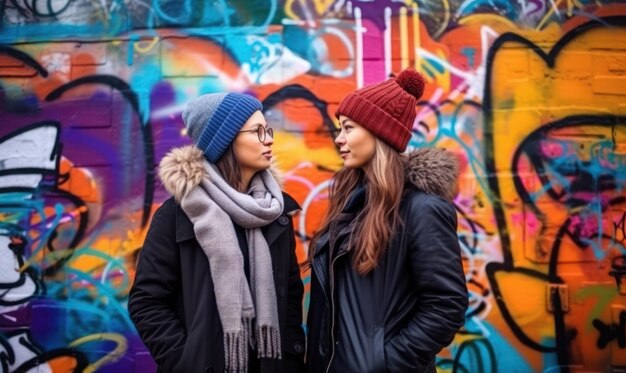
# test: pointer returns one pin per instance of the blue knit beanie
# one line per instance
(213, 120)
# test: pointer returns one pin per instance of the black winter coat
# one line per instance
(400, 315)
(172, 301)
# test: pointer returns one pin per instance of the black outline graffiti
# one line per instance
(296, 91)
(146, 128)
(32, 7)
(552, 277)
(435, 110)
(618, 265)
(471, 346)
(25, 58)
(528, 142)
(40, 286)
(52, 190)
(609, 332)
(81, 359)
(562, 338)
(55, 153)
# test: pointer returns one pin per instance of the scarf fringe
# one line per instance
(268, 341)
(247, 332)
(236, 351)
(236, 345)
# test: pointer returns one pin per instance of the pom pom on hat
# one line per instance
(412, 82)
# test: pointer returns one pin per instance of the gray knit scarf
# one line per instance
(242, 307)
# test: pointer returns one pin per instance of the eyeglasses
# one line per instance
(261, 131)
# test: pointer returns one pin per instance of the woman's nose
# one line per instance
(340, 139)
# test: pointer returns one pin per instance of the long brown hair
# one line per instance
(380, 217)
(229, 168)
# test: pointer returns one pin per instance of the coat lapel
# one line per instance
(184, 226)
(278, 226)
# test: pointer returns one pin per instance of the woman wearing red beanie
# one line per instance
(387, 284)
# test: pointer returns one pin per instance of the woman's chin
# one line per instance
(264, 165)
(349, 164)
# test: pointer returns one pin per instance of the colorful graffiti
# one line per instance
(529, 95)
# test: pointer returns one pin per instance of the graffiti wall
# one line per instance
(529, 94)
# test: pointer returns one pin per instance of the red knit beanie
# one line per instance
(386, 109)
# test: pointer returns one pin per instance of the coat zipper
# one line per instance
(332, 309)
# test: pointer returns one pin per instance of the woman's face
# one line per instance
(356, 144)
(252, 154)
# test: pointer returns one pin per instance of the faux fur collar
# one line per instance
(433, 171)
(182, 169)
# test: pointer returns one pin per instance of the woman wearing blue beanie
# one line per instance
(218, 286)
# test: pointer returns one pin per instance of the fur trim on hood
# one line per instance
(182, 169)
(433, 171)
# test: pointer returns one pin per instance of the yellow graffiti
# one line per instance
(416, 34)
(321, 6)
(147, 48)
(442, 79)
(288, 10)
(571, 6)
(548, 14)
(113, 356)
(51, 257)
(493, 20)
(404, 38)
(292, 150)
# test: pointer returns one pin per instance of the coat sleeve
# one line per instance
(294, 351)
(152, 296)
(437, 273)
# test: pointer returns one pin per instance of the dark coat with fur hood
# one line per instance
(400, 315)
(172, 301)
